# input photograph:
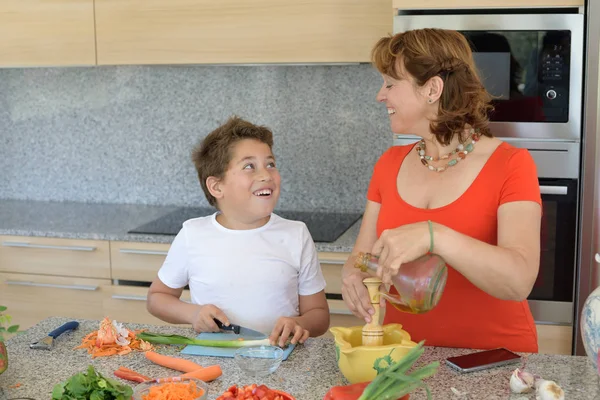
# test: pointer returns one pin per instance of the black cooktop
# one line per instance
(323, 226)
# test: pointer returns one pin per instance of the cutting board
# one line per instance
(195, 350)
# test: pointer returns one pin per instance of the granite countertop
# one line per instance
(307, 374)
(72, 220)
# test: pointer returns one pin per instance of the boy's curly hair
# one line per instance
(425, 53)
(212, 155)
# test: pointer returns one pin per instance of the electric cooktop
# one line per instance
(324, 227)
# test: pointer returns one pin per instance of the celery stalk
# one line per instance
(177, 339)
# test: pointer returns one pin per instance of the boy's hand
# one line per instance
(286, 327)
(203, 321)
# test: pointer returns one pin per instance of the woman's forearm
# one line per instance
(507, 274)
(171, 309)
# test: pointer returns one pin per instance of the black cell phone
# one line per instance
(483, 360)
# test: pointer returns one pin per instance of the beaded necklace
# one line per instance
(461, 151)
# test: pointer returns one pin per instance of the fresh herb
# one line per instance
(394, 382)
(177, 339)
(91, 386)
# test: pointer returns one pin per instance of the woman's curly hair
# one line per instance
(425, 53)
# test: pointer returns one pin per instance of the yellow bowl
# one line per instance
(360, 363)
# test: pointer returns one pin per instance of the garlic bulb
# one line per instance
(521, 381)
(548, 390)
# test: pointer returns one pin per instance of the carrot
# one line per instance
(174, 390)
(178, 364)
(205, 374)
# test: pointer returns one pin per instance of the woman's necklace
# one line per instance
(461, 151)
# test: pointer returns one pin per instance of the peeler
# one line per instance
(47, 342)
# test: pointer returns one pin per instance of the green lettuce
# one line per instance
(91, 386)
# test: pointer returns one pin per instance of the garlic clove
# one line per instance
(521, 381)
(548, 390)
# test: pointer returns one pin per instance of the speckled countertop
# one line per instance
(73, 220)
(307, 374)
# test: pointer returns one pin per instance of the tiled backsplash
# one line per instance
(124, 134)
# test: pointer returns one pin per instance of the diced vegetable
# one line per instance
(174, 391)
(250, 392)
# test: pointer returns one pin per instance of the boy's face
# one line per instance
(250, 189)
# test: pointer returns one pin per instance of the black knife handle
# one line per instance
(232, 327)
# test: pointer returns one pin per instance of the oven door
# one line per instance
(530, 63)
(551, 299)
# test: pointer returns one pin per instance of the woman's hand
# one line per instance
(400, 245)
(286, 327)
(356, 295)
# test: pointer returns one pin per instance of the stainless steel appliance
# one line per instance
(533, 66)
(588, 277)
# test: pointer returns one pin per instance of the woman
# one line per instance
(480, 194)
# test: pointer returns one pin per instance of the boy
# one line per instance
(243, 264)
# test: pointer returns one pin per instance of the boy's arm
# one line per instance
(314, 313)
(164, 303)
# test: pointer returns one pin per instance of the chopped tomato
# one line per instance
(250, 392)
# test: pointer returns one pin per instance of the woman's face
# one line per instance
(406, 104)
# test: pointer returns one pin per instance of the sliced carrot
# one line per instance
(205, 374)
(176, 363)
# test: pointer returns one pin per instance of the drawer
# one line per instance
(554, 339)
(135, 261)
(31, 298)
(128, 304)
(51, 256)
(331, 265)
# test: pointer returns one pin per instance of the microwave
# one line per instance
(531, 64)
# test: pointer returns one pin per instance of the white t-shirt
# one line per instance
(255, 276)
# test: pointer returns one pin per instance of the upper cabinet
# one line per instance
(238, 31)
(47, 33)
(426, 4)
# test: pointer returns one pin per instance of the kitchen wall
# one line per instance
(124, 134)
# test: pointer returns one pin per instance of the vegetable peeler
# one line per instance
(47, 342)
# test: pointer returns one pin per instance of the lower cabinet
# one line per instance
(128, 304)
(31, 298)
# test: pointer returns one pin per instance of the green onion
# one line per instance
(394, 383)
(177, 339)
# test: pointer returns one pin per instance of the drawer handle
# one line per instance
(336, 262)
(47, 246)
(340, 311)
(53, 285)
(128, 297)
(146, 252)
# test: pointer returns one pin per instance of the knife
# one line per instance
(47, 342)
(240, 330)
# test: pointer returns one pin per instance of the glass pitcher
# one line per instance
(420, 283)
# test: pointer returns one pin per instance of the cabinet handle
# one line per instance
(336, 262)
(47, 246)
(597, 258)
(146, 252)
(53, 285)
(563, 190)
(128, 297)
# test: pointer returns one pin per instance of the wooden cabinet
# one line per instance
(446, 4)
(47, 33)
(52, 256)
(44, 277)
(238, 31)
(31, 298)
(136, 261)
(554, 339)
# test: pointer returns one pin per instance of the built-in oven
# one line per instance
(531, 62)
